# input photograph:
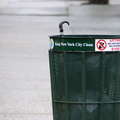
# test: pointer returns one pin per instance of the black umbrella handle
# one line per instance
(61, 26)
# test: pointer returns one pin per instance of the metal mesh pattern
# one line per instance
(85, 85)
(111, 90)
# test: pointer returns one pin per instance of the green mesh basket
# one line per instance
(85, 77)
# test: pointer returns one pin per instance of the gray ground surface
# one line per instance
(24, 66)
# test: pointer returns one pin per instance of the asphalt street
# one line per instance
(25, 27)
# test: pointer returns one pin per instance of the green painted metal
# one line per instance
(83, 87)
(102, 79)
(83, 42)
(85, 83)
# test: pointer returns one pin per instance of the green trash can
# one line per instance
(85, 77)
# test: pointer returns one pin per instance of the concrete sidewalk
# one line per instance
(25, 92)
(34, 8)
(95, 19)
(46, 8)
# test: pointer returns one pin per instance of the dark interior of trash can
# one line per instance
(87, 36)
(85, 84)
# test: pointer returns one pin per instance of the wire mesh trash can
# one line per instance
(85, 77)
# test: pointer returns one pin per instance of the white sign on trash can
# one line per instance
(107, 45)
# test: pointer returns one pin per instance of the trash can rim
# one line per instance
(86, 36)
